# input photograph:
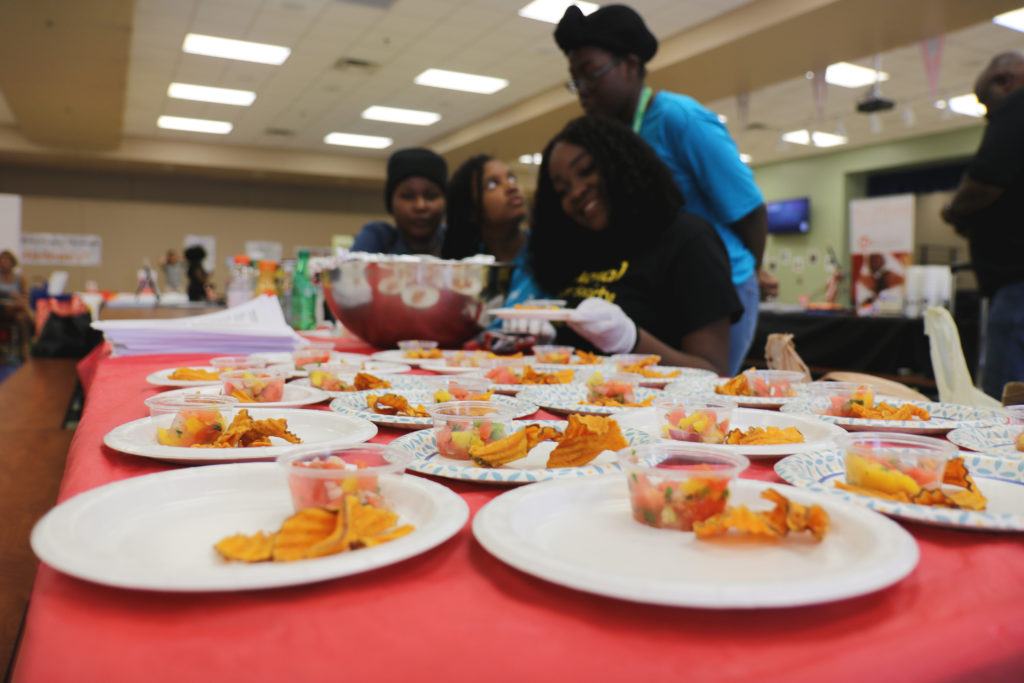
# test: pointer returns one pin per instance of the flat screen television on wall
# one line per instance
(789, 215)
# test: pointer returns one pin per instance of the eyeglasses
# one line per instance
(577, 85)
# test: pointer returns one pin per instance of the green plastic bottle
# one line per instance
(303, 304)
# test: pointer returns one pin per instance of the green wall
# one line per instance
(831, 181)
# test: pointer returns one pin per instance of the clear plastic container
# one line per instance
(253, 386)
(190, 419)
(617, 387)
(503, 370)
(624, 361)
(241, 281)
(674, 484)
(693, 419)
(461, 425)
(315, 353)
(839, 398)
(894, 463)
(227, 363)
(334, 376)
(446, 388)
(553, 354)
(322, 477)
(774, 383)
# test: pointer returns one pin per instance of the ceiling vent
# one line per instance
(279, 132)
(379, 4)
(355, 65)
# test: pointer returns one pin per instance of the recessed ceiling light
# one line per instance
(745, 158)
(817, 138)
(552, 11)
(533, 159)
(395, 115)
(243, 50)
(202, 93)
(453, 80)
(194, 125)
(968, 105)
(353, 140)
(723, 119)
(848, 75)
(1013, 19)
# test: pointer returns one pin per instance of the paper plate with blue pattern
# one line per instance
(579, 374)
(565, 398)
(530, 469)
(354, 404)
(405, 382)
(1000, 480)
(996, 441)
(944, 418)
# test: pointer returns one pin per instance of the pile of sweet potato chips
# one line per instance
(393, 404)
(584, 439)
(245, 432)
(763, 436)
(786, 516)
(317, 532)
(955, 474)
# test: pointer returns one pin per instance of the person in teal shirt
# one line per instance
(607, 52)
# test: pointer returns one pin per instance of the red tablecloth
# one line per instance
(456, 613)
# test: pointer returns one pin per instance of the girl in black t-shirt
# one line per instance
(609, 234)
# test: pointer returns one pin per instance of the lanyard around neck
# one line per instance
(641, 109)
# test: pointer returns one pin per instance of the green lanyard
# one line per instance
(641, 109)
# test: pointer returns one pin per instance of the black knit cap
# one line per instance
(415, 161)
(616, 28)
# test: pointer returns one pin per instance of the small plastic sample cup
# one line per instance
(894, 463)
(839, 398)
(334, 376)
(552, 354)
(461, 425)
(253, 386)
(614, 386)
(674, 484)
(447, 388)
(503, 369)
(774, 383)
(418, 348)
(693, 419)
(321, 477)
(190, 419)
(315, 353)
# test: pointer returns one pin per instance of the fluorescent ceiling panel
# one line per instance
(745, 158)
(194, 125)
(454, 80)
(202, 93)
(817, 138)
(242, 50)
(411, 117)
(534, 158)
(1013, 19)
(968, 105)
(551, 11)
(353, 140)
(848, 75)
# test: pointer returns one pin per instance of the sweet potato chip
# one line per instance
(585, 438)
(256, 548)
(195, 375)
(365, 382)
(764, 436)
(497, 453)
(786, 516)
(531, 376)
(955, 474)
(536, 433)
(587, 358)
(245, 432)
(301, 532)
(884, 411)
(612, 403)
(393, 404)
(737, 386)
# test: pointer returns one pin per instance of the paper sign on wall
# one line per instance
(10, 222)
(881, 245)
(60, 249)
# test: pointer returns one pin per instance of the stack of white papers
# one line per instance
(257, 325)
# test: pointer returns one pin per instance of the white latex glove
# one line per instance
(604, 325)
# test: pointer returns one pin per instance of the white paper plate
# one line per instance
(581, 534)
(314, 427)
(565, 398)
(396, 382)
(530, 469)
(944, 417)
(398, 356)
(552, 314)
(157, 532)
(1000, 480)
(817, 434)
(162, 378)
(580, 374)
(354, 404)
(695, 375)
(996, 441)
(440, 366)
(293, 395)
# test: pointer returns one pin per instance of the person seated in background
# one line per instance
(608, 51)
(414, 196)
(16, 312)
(610, 234)
(486, 209)
(174, 272)
(198, 278)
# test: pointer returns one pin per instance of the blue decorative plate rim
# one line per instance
(573, 393)
(816, 470)
(347, 405)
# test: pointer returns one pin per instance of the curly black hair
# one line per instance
(465, 188)
(195, 254)
(641, 196)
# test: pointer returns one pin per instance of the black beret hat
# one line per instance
(415, 161)
(616, 28)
